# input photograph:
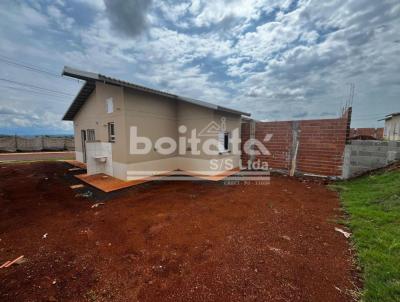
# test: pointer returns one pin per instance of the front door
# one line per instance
(83, 139)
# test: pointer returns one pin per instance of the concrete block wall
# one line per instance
(8, 144)
(365, 155)
(29, 144)
(36, 143)
(69, 144)
(53, 143)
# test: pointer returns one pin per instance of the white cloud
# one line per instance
(207, 13)
(277, 60)
(13, 118)
(60, 18)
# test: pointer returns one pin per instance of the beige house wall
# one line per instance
(154, 117)
(93, 115)
(196, 118)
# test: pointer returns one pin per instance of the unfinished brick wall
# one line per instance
(376, 133)
(321, 144)
(279, 144)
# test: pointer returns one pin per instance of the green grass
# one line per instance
(373, 205)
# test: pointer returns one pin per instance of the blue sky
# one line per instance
(279, 60)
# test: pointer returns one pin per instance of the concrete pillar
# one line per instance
(295, 147)
(252, 138)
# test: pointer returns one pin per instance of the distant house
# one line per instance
(113, 120)
(366, 133)
(392, 127)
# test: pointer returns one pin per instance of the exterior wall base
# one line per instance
(204, 167)
(79, 156)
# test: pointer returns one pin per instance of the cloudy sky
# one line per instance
(279, 60)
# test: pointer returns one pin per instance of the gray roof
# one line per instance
(389, 116)
(90, 83)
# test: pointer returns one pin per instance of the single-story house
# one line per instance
(392, 127)
(132, 132)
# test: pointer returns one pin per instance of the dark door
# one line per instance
(83, 139)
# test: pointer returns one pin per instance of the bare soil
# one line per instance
(170, 241)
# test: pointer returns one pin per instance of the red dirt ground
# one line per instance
(169, 241)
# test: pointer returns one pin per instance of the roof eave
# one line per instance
(70, 114)
(91, 78)
(79, 74)
(233, 111)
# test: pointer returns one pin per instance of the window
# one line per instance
(91, 137)
(223, 142)
(110, 105)
(111, 132)
(226, 141)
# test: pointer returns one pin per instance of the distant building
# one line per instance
(392, 127)
(366, 133)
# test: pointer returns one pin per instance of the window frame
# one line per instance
(226, 141)
(89, 134)
(111, 134)
(110, 105)
(223, 142)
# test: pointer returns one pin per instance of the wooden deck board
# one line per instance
(76, 163)
(107, 183)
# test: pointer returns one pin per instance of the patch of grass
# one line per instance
(373, 205)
